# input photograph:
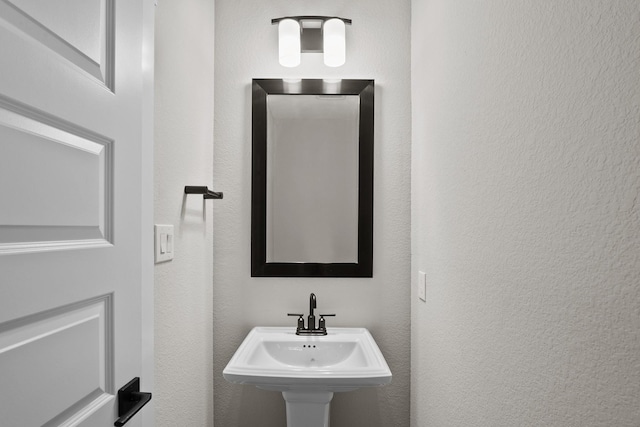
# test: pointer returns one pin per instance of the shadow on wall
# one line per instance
(357, 408)
(259, 404)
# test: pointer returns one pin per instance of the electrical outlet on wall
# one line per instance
(422, 285)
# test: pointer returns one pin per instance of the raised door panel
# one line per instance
(69, 351)
(79, 31)
(55, 181)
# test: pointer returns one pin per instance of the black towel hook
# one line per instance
(204, 190)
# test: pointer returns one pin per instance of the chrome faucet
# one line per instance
(311, 320)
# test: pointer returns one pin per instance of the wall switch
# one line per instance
(422, 285)
(163, 243)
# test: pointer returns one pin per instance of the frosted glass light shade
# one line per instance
(334, 42)
(289, 43)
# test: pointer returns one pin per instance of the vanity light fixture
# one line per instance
(311, 34)
(333, 40)
(289, 42)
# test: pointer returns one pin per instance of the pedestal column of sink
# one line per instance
(307, 408)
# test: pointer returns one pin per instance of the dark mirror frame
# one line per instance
(259, 265)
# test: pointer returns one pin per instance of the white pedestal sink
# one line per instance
(308, 369)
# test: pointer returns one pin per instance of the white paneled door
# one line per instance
(74, 215)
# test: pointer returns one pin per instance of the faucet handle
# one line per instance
(300, 320)
(322, 324)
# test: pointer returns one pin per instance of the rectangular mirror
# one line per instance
(312, 178)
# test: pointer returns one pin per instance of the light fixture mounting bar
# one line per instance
(310, 18)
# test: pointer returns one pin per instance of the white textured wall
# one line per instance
(525, 213)
(378, 48)
(184, 156)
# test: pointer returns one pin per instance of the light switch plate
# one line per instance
(163, 243)
(422, 285)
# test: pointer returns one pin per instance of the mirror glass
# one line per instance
(312, 178)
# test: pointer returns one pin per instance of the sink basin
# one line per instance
(275, 358)
(308, 369)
